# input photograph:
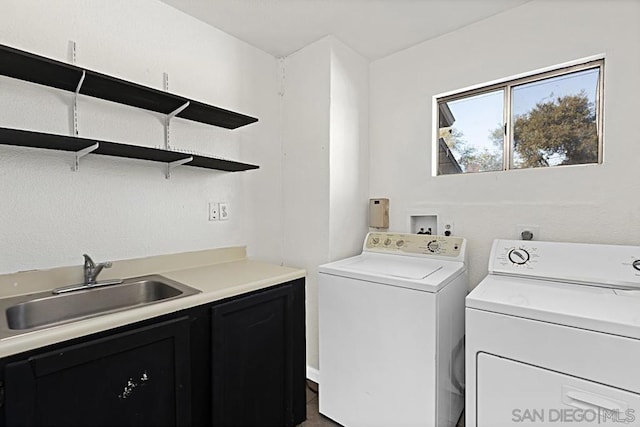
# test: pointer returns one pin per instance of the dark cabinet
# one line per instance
(135, 378)
(258, 359)
(236, 362)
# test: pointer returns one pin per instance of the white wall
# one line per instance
(349, 156)
(118, 208)
(597, 203)
(325, 162)
(305, 170)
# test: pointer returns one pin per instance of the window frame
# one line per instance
(507, 85)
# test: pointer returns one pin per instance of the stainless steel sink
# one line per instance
(37, 311)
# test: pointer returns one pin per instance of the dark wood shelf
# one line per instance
(24, 138)
(45, 71)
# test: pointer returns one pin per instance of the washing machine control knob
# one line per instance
(375, 240)
(519, 256)
(433, 246)
(636, 264)
(400, 243)
(387, 241)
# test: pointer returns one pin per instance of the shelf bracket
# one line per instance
(75, 104)
(175, 164)
(84, 73)
(167, 124)
(178, 110)
(80, 154)
(167, 120)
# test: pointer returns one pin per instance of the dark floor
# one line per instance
(316, 419)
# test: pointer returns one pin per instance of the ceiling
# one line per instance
(374, 28)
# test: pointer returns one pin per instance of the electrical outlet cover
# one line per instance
(214, 214)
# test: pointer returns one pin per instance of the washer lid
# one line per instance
(395, 267)
(587, 307)
(424, 274)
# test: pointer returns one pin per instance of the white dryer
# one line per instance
(391, 327)
(553, 336)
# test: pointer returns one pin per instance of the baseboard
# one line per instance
(313, 374)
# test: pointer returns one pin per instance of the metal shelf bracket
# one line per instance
(171, 115)
(80, 154)
(167, 124)
(175, 164)
(84, 73)
(177, 111)
(75, 104)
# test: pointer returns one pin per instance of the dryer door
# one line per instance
(511, 393)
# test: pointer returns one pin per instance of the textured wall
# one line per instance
(119, 208)
(595, 203)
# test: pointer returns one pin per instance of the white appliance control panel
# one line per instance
(604, 265)
(416, 245)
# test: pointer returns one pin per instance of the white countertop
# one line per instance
(229, 274)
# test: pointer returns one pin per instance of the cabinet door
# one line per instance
(258, 367)
(134, 378)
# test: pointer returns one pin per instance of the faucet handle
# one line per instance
(88, 261)
(91, 269)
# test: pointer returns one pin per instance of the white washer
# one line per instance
(553, 336)
(391, 328)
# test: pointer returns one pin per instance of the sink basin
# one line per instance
(41, 310)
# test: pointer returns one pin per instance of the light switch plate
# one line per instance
(223, 210)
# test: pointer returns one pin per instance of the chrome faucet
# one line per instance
(91, 269)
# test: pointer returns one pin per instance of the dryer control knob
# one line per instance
(518, 256)
(387, 242)
(433, 246)
(400, 243)
(636, 264)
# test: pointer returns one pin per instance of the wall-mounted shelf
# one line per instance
(50, 141)
(38, 69)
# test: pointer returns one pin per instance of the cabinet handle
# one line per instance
(131, 385)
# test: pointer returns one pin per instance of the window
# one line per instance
(547, 119)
